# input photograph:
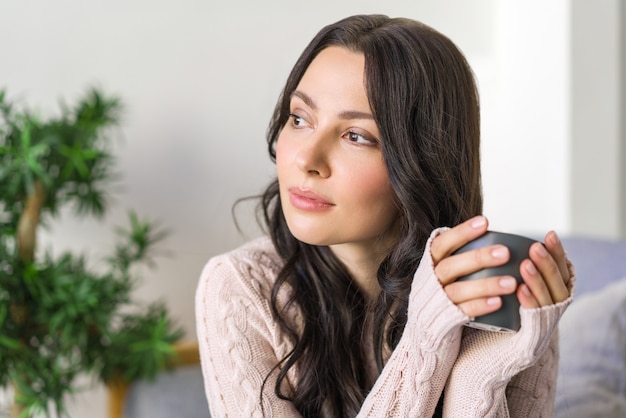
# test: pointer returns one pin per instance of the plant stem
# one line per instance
(26, 242)
(16, 409)
(28, 223)
(117, 391)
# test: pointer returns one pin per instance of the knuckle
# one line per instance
(443, 271)
(549, 268)
(487, 287)
(468, 309)
(435, 248)
(452, 290)
(477, 307)
(478, 257)
(553, 270)
(482, 258)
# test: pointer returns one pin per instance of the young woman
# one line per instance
(350, 307)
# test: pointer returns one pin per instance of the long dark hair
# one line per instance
(425, 104)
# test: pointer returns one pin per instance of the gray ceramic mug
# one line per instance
(507, 318)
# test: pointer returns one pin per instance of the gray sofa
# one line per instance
(592, 367)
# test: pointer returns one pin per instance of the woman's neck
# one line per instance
(362, 263)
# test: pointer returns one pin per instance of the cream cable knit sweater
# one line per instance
(484, 374)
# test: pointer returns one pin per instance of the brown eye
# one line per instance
(359, 139)
(297, 121)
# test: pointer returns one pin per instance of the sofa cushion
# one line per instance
(597, 262)
(592, 368)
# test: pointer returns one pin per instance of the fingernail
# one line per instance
(499, 252)
(541, 250)
(478, 222)
(526, 290)
(507, 282)
(554, 238)
(494, 300)
(530, 267)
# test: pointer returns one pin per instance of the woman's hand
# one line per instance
(545, 273)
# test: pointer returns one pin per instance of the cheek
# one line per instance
(372, 192)
(371, 183)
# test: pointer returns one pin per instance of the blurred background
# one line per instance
(199, 80)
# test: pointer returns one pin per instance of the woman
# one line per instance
(351, 306)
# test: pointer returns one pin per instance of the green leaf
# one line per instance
(25, 136)
(9, 343)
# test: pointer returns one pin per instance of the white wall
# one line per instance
(200, 78)
(526, 118)
(598, 142)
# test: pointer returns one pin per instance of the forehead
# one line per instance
(339, 61)
(336, 74)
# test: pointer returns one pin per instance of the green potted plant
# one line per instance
(59, 317)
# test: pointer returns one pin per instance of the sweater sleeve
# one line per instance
(531, 393)
(502, 374)
(415, 374)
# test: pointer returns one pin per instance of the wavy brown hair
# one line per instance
(425, 103)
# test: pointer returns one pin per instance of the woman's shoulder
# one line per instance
(257, 255)
(252, 267)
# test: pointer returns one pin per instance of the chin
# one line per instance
(310, 238)
(309, 235)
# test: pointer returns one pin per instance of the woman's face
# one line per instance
(334, 186)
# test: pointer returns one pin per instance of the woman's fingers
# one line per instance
(451, 268)
(480, 307)
(526, 298)
(446, 243)
(555, 248)
(535, 283)
(475, 297)
(545, 274)
(463, 291)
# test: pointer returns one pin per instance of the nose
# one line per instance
(313, 156)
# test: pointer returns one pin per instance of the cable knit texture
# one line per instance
(483, 373)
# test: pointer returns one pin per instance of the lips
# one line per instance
(307, 200)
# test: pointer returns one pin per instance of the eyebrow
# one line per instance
(346, 114)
